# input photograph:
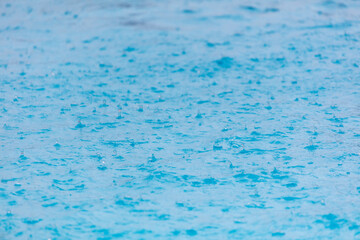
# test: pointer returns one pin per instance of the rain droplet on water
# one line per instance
(198, 115)
(22, 156)
(119, 114)
(104, 104)
(80, 125)
(57, 145)
(153, 158)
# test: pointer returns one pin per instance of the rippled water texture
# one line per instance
(179, 119)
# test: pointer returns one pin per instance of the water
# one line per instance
(179, 119)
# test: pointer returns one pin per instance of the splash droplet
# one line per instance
(198, 115)
(57, 145)
(153, 158)
(104, 104)
(119, 114)
(80, 125)
(22, 156)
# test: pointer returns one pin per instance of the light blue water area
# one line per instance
(150, 119)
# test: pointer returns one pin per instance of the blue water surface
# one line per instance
(147, 119)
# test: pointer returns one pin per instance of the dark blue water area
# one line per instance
(150, 119)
